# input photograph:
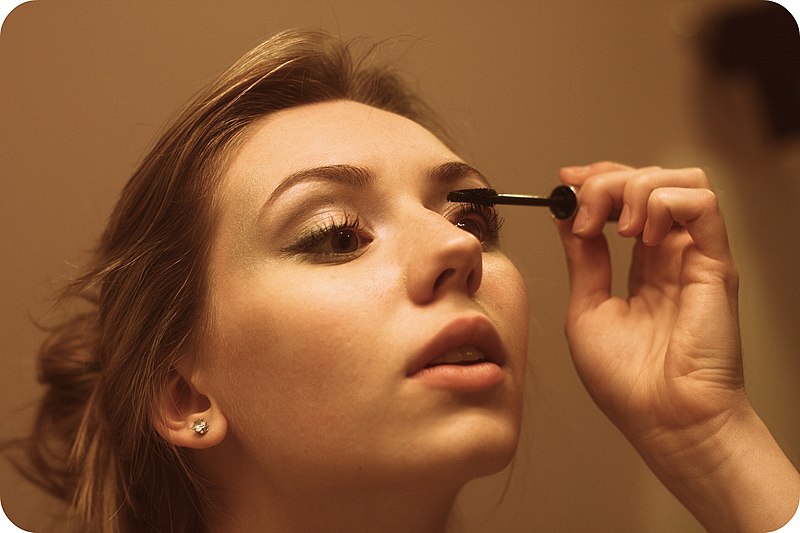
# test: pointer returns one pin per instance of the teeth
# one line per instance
(464, 354)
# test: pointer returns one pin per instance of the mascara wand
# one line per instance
(563, 202)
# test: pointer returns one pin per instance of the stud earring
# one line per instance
(200, 426)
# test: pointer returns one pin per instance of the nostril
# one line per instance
(443, 277)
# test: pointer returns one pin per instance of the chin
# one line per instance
(475, 444)
(492, 453)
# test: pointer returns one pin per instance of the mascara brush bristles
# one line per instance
(491, 197)
(473, 196)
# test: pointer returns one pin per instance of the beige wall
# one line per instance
(527, 86)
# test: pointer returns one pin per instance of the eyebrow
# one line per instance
(352, 176)
(360, 177)
(448, 173)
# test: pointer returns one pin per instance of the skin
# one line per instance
(668, 377)
(307, 361)
(315, 422)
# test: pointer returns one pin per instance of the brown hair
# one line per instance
(94, 443)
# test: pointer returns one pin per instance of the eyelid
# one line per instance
(298, 211)
(316, 233)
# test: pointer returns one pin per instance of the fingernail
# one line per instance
(647, 238)
(624, 218)
(581, 219)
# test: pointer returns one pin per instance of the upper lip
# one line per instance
(476, 330)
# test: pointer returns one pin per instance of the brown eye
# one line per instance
(473, 227)
(343, 241)
(333, 241)
(482, 221)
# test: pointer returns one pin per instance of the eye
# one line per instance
(471, 226)
(343, 241)
(480, 220)
(331, 241)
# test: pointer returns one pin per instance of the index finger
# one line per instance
(576, 175)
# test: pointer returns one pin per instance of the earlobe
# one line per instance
(188, 418)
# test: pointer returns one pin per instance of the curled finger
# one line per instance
(639, 187)
(697, 210)
(599, 195)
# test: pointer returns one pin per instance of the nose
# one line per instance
(442, 259)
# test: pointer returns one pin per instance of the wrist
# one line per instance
(699, 450)
(729, 471)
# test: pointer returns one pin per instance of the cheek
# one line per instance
(506, 297)
(289, 351)
(506, 292)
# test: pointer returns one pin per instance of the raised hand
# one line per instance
(664, 363)
(668, 356)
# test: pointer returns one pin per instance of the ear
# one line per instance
(186, 417)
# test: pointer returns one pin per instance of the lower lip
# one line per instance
(463, 378)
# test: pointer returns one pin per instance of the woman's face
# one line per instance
(363, 328)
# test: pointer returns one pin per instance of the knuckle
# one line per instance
(642, 180)
(607, 166)
(697, 174)
(591, 186)
(708, 199)
(658, 197)
(601, 165)
(648, 173)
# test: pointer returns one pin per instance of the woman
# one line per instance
(290, 328)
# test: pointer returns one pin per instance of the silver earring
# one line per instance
(200, 426)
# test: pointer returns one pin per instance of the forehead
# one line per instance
(329, 133)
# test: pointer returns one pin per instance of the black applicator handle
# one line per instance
(563, 200)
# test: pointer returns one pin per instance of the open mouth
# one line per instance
(465, 356)
(462, 369)
(462, 356)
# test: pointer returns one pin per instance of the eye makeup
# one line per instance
(321, 224)
(483, 221)
(336, 238)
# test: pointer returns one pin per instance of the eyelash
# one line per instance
(318, 235)
(489, 220)
(488, 215)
